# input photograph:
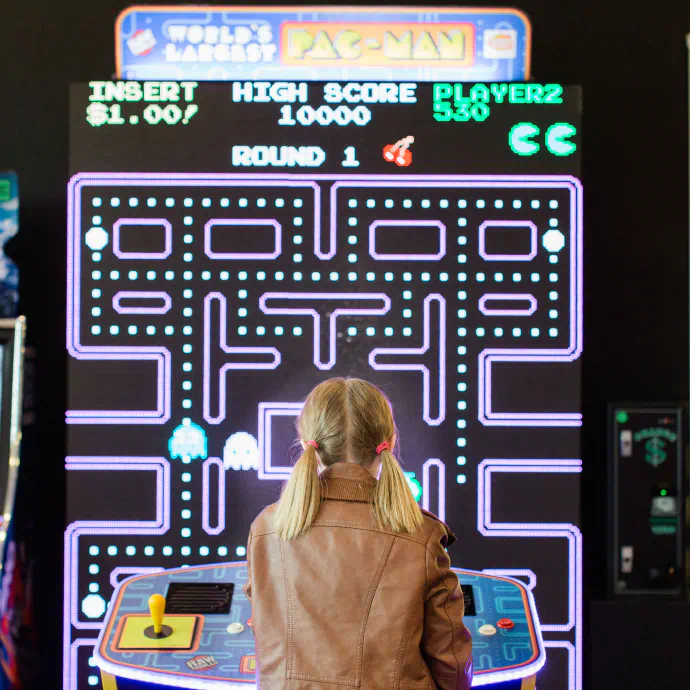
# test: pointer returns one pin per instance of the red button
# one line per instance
(505, 624)
(249, 622)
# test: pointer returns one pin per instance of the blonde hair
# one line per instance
(348, 419)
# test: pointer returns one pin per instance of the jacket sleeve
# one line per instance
(248, 584)
(446, 642)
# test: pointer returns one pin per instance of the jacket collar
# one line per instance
(347, 481)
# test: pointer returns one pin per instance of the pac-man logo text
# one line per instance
(377, 45)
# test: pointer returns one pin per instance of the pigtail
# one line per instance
(301, 497)
(394, 505)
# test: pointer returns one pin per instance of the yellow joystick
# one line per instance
(157, 609)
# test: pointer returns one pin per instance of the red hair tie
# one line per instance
(381, 447)
(313, 443)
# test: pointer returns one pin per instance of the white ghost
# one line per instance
(241, 452)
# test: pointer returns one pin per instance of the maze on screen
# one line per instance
(225, 289)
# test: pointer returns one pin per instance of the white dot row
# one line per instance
(166, 550)
(517, 277)
(188, 202)
(134, 330)
(445, 203)
(278, 275)
(499, 332)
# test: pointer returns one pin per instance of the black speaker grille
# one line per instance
(468, 595)
(206, 598)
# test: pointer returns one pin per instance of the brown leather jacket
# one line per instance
(355, 606)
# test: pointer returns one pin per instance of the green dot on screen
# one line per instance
(622, 417)
(663, 492)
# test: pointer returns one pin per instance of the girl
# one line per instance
(349, 580)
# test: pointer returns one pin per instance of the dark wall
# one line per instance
(632, 65)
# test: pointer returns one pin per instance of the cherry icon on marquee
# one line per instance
(399, 153)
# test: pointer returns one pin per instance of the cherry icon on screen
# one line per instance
(399, 153)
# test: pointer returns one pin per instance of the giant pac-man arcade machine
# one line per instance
(312, 215)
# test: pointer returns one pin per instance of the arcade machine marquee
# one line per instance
(231, 245)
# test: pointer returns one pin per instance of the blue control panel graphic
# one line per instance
(226, 640)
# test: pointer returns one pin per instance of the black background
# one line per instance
(457, 148)
(631, 62)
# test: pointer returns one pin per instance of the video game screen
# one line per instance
(231, 245)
